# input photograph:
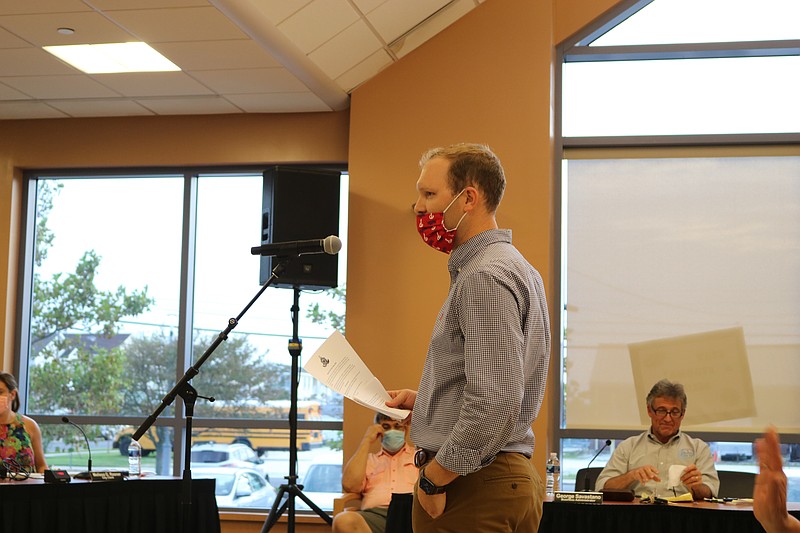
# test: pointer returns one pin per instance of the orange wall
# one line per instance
(573, 15)
(253, 522)
(9, 243)
(487, 78)
(186, 140)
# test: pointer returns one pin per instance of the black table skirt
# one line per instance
(638, 518)
(131, 506)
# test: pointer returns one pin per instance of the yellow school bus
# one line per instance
(259, 439)
(263, 439)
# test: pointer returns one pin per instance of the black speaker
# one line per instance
(301, 204)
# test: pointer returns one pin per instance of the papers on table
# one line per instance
(337, 366)
(686, 497)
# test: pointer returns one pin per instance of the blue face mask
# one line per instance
(393, 440)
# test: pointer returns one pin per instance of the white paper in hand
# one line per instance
(675, 472)
(337, 366)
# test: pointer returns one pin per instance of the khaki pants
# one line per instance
(505, 496)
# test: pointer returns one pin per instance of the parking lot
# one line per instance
(276, 465)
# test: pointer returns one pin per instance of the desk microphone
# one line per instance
(586, 479)
(88, 473)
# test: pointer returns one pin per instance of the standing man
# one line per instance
(486, 368)
(642, 463)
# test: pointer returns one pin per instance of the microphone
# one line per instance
(329, 245)
(88, 473)
(586, 479)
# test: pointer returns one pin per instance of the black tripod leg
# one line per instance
(325, 516)
(290, 491)
(276, 510)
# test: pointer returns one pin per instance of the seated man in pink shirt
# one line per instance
(376, 476)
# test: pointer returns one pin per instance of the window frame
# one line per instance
(577, 48)
(177, 419)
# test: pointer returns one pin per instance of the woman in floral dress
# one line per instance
(20, 436)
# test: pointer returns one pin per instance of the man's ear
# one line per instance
(472, 198)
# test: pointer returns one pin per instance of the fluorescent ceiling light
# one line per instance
(113, 57)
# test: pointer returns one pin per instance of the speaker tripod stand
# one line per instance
(291, 490)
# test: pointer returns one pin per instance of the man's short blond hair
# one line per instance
(472, 165)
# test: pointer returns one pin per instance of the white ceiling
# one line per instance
(236, 56)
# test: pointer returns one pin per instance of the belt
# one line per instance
(423, 457)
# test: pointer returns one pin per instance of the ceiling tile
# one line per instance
(365, 6)
(9, 93)
(44, 87)
(177, 24)
(140, 84)
(215, 55)
(264, 80)
(192, 105)
(9, 40)
(31, 62)
(364, 70)
(224, 69)
(346, 50)
(26, 110)
(100, 108)
(41, 30)
(318, 22)
(431, 27)
(393, 18)
(279, 103)
(277, 11)
(106, 5)
(17, 7)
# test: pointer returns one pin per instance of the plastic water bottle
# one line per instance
(553, 474)
(134, 458)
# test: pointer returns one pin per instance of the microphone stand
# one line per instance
(189, 395)
(88, 473)
(291, 489)
(586, 479)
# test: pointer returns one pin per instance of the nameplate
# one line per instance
(578, 497)
(107, 476)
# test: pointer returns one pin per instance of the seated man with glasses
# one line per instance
(642, 463)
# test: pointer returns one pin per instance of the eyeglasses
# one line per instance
(662, 412)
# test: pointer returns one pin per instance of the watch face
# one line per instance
(425, 485)
(428, 487)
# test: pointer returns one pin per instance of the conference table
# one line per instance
(621, 517)
(144, 505)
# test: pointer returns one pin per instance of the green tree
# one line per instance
(236, 375)
(76, 359)
(331, 317)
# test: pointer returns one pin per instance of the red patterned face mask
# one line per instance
(433, 231)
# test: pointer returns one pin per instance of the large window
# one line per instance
(130, 277)
(679, 196)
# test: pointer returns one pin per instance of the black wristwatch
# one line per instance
(427, 485)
